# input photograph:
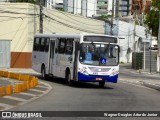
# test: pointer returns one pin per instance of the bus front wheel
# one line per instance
(101, 84)
(68, 78)
(43, 71)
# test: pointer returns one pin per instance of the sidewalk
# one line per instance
(152, 79)
(4, 82)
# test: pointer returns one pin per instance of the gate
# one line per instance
(5, 53)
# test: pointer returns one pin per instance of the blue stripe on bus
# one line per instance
(92, 78)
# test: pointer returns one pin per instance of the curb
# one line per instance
(153, 86)
(26, 82)
(149, 85)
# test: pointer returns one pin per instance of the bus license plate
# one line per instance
(98, 78)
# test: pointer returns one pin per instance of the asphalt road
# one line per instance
(89, 97)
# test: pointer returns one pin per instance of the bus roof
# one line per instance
(70, 35)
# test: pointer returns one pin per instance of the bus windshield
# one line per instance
(99, 54)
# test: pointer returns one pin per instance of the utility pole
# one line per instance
(158, 60)
(111, 31)
(117, 18)
(128, 35)
(35, 18)
(41, 17)
(86, 7)
(134, 32)
(73, 6)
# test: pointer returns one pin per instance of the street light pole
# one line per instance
(111, 27)
(150, 51)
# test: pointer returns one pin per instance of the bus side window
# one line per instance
(46, 45)
(69, 46)
(61, 45)
(42, 44)
(36, 44)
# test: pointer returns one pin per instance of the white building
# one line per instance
(57, 4)
(81, 7)
(125, 32)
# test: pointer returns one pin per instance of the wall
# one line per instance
(19, 22)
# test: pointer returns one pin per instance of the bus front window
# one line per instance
(99, 54)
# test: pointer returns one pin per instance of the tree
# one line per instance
(27, 1)
(104, 18)
(152, 17)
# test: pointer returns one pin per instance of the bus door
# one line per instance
(75, 63)
(51, 58)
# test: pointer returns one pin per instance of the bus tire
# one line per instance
(43, 72)
(68, 78)
(101, 84)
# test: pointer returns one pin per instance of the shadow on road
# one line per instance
(75, 84)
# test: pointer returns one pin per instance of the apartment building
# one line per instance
(54, 4)
(81, 7)
(104, 7)
(124, 7)
(121, 7)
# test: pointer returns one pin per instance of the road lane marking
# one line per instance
(41, 86)
(15, 98)
(37, 90)
(29, 94)
(5, 106)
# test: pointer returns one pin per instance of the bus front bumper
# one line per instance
(96, 78)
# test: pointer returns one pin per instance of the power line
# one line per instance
(100, 26)
(4, 11)
(74, 26)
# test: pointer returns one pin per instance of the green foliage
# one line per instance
(121, 62)
(152, 17)
(61, 9)
(27, 1)
(104, 18)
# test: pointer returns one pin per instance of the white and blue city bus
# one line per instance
(77, 57)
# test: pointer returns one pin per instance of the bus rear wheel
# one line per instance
(101, 84)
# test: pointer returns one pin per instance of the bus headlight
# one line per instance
(114, 72)
(83, 70)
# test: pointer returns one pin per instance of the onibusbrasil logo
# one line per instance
(21, 115)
